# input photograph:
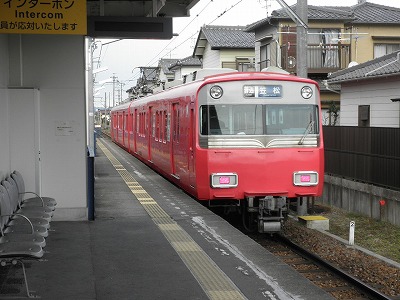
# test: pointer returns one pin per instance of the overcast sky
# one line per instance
(121, 57)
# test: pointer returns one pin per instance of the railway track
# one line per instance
(336, 282)
(340, 284)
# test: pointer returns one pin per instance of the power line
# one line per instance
(151, 61)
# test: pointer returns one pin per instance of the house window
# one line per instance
(264, 60)
(242, 64)
(323, 50)
(383, 49)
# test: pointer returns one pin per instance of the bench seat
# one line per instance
(19, 180)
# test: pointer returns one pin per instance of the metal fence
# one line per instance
(366, 154)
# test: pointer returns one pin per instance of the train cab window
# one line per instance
(291, 119)
(227, 119)
(258, 119)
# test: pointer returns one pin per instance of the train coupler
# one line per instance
(270, 217)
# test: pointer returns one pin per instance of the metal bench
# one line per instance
(19, 180)
(23, 227)
(38, 211)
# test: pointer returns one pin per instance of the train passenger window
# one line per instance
(164, 126)
(137, 123)
(168, 127)
(158, 137)
(153, 124)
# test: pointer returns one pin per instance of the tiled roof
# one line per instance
(375, 13)
(364, 13)
(384, 66)
(166, 63)
(316, 13)
(322, 87)
(150, 73)
(188, 61)
(228, 37)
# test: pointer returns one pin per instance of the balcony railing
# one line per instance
(321, 58)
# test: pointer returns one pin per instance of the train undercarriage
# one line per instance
(265, 214)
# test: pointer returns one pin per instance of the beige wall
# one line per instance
(363, 47)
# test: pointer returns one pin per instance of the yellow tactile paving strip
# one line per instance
(211, 278)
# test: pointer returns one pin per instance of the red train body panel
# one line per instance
(232, 136)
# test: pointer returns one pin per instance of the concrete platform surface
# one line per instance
(150, 240)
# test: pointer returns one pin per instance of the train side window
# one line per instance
(165, 126)
(176, 123)
(137, 123)
(168, 127)
(153, 121)
(204, 120)
(210, 121)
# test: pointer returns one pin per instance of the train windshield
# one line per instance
(258, 119)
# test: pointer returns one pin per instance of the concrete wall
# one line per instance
(53, 68)
(362, 199)
(4, 141)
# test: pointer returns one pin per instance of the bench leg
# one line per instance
(15, 262)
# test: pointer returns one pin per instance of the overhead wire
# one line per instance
(219, 16)
(154, 58)
(157, 57)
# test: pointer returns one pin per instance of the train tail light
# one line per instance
(305, 178)
(224, 180)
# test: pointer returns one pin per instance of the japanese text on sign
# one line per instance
(43, 16)
(262, 91)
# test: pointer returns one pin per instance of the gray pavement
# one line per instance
(127, 254)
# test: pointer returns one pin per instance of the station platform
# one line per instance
(150, 240)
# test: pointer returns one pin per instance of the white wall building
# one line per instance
(370, 93)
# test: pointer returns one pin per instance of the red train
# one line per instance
(250, 140)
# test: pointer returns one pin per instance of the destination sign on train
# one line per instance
(262, 91)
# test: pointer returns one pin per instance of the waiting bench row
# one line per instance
(24, 224)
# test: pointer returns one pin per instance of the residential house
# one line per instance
(337, 37)
(148, 80)
(166, 74)
(225, 47)
(370, 93)
(185, 66)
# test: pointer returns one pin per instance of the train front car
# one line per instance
(260, 144)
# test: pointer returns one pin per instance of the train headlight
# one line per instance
(216, 92)
(224, 180)
(305, 178)
(306, 92)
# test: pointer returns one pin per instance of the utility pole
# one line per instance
(114, 78)
(300, 17)
(301, 39)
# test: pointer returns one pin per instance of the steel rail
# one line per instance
(360, 285)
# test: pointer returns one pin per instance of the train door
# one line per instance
(150, 132)
(192, 145)
(125, 131)
(135, 121)
(175, 140)
(131, 130)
